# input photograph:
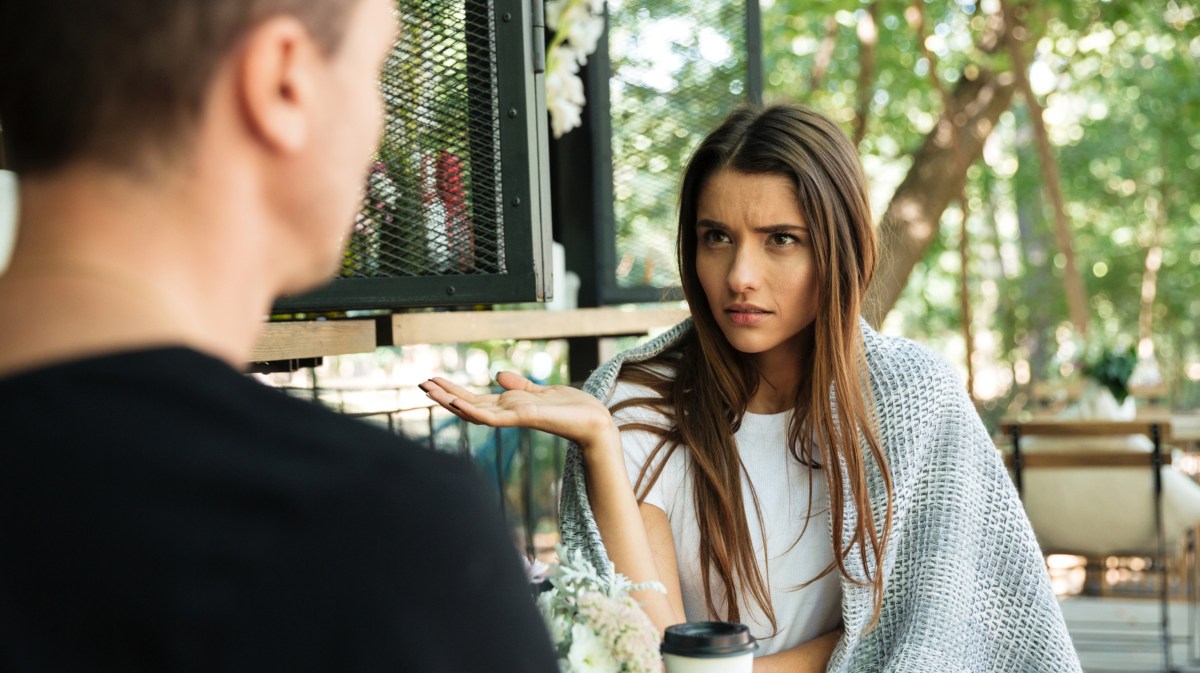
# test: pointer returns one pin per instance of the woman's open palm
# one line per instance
(559, 410)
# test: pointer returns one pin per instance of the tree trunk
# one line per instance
(1149, 291)
(824, 54)
(1037, 248)
(933, 181)
(1077, 302)
(964, 297)
(868, 37)
(916, 17)
(1153, 261)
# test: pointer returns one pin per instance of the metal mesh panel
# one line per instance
(678, 67)
(432, 206)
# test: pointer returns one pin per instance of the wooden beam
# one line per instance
(1088, 427)
(1088, 459)
(310, 339)
(454, 326)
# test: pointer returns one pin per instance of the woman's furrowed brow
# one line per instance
(781, 229)
(765, 229)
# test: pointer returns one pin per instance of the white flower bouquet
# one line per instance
(578, 26)
(596, 626)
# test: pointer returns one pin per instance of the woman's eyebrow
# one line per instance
(781, 229)
(766, 229)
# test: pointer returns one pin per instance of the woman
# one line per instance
(774, 460)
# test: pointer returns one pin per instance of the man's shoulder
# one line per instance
(322, 533)
(174, 424)
(178, 405)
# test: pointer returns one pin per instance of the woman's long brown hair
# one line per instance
(705, 385)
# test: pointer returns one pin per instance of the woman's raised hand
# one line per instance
(559, 410)
(581, 418)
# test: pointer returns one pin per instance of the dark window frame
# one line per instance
(599, 126)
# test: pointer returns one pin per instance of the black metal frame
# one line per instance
(525, 198)
(599, 125)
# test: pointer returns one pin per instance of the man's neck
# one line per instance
(104, 266)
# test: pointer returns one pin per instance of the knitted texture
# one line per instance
(965, 587)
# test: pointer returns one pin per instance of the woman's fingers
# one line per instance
(450, 387)
(483, 409)
(559, 410)
(446, 393)
(514, 381)
(493, 416)
(447, 401)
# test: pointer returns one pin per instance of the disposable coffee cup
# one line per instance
(708, 647)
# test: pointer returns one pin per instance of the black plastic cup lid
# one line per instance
(708, 640)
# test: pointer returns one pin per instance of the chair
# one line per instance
(1069, 461)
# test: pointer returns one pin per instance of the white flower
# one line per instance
(563, 68)
(595, 625)
(535, 570)
(564, 92)
(557, 624)
(559, 628)
(583, 30)
(554, 10)
(588, 653)
(578, 26)
(564, 116)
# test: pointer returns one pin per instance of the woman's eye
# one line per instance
(783, 239)
(714, 236)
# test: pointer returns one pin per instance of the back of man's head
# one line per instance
(121, 81)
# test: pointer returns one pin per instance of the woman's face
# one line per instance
(755, 261)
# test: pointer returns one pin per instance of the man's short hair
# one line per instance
(113, 80)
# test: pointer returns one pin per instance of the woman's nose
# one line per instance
(745, 271)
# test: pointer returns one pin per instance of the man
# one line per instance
(182, 163)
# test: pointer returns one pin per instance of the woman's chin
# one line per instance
(747, 344)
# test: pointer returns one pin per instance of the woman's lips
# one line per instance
(746, 316)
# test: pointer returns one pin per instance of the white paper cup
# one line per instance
(708, 647)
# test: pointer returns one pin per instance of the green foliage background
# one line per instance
(1124, 116)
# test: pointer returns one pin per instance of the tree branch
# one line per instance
(933, 181)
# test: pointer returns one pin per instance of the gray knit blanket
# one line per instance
(965, 586)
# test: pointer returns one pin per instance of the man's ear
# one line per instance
(276, 82)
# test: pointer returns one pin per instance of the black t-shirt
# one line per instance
(160, 511)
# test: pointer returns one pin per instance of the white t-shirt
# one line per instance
(782, 485)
